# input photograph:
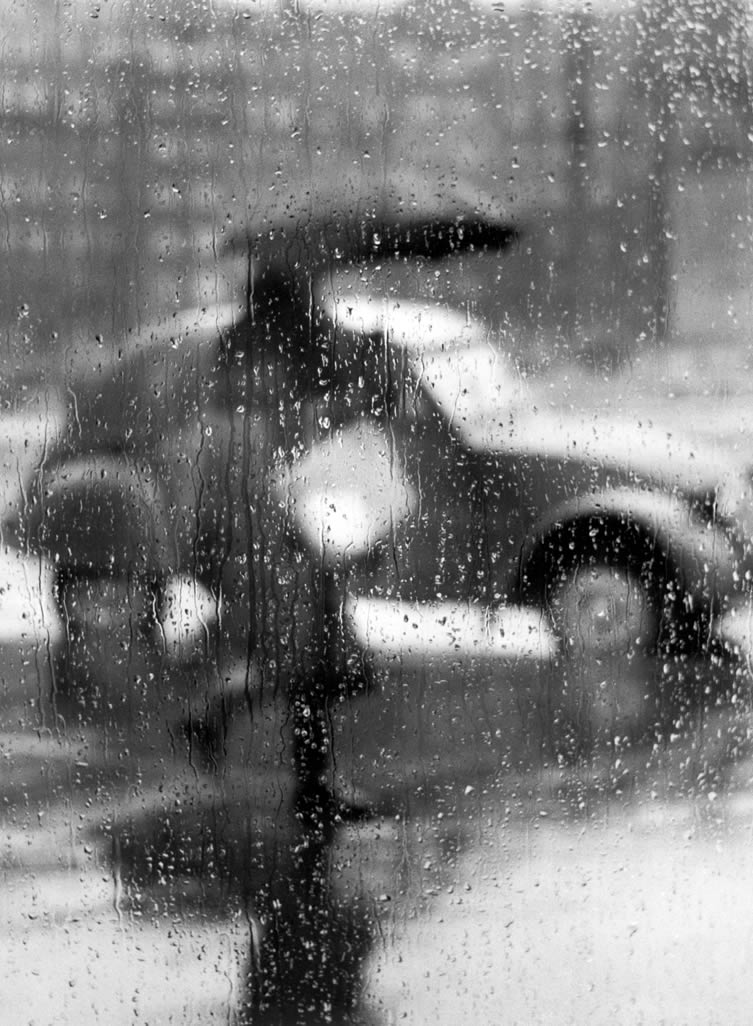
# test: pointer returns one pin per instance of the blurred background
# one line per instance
(139, 138)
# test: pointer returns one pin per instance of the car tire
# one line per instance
(100, 519)
(604, 585)
(108, 648)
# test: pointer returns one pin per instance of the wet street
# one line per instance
(607, 891)
(630, 914)
(492, 881)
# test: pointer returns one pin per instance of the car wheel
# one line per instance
(107, 645)
(100, 519)
(603, 587)
(603, 612)
(608, 622)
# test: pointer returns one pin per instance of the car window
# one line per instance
(375, 604)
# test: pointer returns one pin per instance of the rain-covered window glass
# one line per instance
(375, 464)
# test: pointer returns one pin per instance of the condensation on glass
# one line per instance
(375, 607)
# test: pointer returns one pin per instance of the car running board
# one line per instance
(29, 614)
(418, 631)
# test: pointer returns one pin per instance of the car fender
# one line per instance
(702, 560)
(101, 512)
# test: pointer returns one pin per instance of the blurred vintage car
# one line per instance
(335, 461)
